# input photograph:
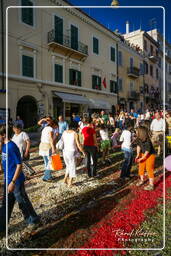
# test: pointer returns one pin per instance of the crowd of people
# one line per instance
(87, 140)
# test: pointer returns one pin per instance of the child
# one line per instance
(115, 137)
(105, 142)
(15, 182)
(145, 157)
(126, 139)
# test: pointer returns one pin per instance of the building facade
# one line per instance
(130, 77)
(150, 47)
(60, 61)
(167, 83)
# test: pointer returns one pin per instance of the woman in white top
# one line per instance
(47, 148)
(71, 143)
(105, 142)
(22, 140)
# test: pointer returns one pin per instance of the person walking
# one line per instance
(63, 126)
(105, 143)
(71, 144)
(90, 147)
(19, 121)
(145, 157)
(126, 139)
(157, 128)
(46, 149)
(22, 140)
(15, 184)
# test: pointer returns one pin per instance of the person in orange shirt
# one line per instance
(145, 157)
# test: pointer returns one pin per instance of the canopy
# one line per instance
(72, 98)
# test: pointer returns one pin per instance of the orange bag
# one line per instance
(56, 162)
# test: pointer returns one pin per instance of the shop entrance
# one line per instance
(27, 110)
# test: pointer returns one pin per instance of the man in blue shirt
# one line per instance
(14, 179)
(62, 126)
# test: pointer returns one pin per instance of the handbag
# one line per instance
(56, 162)
(60, 144)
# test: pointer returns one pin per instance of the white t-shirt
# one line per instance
(20, 141)
(45, 137)
(126, 138)
(157, 125)
(104, 134)
(69, 141)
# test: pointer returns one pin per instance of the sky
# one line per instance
(138, 18)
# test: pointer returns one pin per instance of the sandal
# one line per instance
(149, 187)
(140, 183)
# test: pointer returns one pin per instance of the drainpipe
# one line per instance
(2, 42)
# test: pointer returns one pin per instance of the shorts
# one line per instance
(105, 144)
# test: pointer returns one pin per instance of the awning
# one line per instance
(99, 104)
(72, 98)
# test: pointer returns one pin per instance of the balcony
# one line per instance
(133, 95)
(153, 58)
(68, 46)
(133, 72)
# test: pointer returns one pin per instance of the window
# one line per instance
(58, 25)
(112, 54)
(74, 77)
(151, 50)
(157, 73)
(120, 84)
(146, 68)
(113, 86)
(58, 73)
(27, 66)
(159, 63)
(141, 69)
(74, 37)
(145, 45)
(96, 82)
(95, 45)
(151, 70)
(131, 62)
(27, 13)
(120, 58)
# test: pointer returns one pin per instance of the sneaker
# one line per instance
(140, 183)
(149, 187)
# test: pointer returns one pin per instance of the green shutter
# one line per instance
(27, 66)
(71, 78)
(58, 30)
(27, 13)
(58, 73)
(95, 45)
(99, 83)
(74, 37)
(79, 78)
(94, 81)
(112, 54)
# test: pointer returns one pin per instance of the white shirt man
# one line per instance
(126, 140)
(158, 125)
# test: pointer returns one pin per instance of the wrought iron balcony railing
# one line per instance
(67, 41)
(133, 71)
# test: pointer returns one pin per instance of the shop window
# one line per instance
(74, 77)
(58, 73)
(27, 15)
(96, 82)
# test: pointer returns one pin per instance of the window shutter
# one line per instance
(99, 83)
(71, 77)
(94, 83)
(95, 45)
(111, 86)
(27, 13)
(74, 37)
(58, 30)
(79, 78)
(58, 73)
(112, 54)
(27, 66)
